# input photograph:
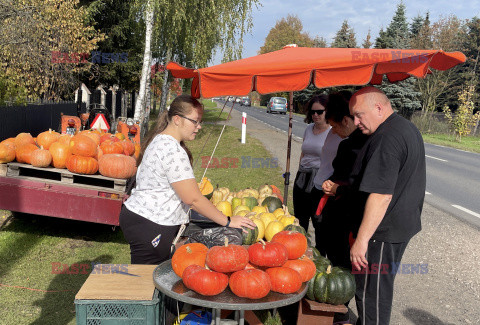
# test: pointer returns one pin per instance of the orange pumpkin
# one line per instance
(304, 266)
(81, 164)
(120, 136)
(137, 150)
(23, 153)
(10, 142)
(23, 138)
(128, 147)
(82, 145)
(65, 139)
(60, 152)
(92, 135)
(117, 166)
(99, 154)
(108, 136)
(7, 153)
(188, 254)
(41, 158)
(46, 138)
(111, 147)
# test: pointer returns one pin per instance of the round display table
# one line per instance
(167, 282)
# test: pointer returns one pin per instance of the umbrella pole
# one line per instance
(289, 149)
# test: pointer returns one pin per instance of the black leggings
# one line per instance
(305, 204)
(140, 233)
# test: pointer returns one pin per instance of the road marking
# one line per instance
(436, 158)
(428, 193)
(466, 210)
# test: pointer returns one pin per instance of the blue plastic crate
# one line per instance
(124, 312)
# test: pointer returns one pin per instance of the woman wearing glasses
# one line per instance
(316, 157)
(166, 187)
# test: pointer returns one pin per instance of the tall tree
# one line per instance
(286, 31)
(190, 31)
(403, 95)
(40, 43)
(345, 37)
(416, 25)
(367, 43)
(124, 34)
(443, 34)
(319, 41)
(471, 48)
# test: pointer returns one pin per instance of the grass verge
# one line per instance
(468, 143)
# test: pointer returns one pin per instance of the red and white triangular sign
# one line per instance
(100, 122)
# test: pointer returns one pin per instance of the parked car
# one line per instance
(245, 101)
(277, 104)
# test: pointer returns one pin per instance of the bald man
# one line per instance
(389, 176)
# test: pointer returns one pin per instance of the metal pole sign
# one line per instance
(244, 127)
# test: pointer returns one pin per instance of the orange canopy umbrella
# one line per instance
(295, 68)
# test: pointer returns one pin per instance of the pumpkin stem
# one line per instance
(262, 242)
(188, 249)
(226, 241)
(329, 269)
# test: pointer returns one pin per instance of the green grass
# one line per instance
(30, 244)
(468, 143)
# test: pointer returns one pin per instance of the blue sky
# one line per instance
(324, 17)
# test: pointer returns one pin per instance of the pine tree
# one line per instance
(319, 42)
(403, 95)
(345, 37)
(367, 43)
(416, 25)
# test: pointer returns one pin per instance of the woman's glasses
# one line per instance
(196, 123)
(317, 111)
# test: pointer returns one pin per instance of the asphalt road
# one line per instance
(453, 176)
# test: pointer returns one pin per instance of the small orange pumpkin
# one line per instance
(23, 138)
(46, 138)
(92, 135)
(128, 147)
(117, 166)
(23, 153)
(41, 157)
(81, 164)
(82, 145)
(60, 152)
(65, 139)
(7, 153)
(110, 147)
(10, 142)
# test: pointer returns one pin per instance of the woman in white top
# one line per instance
(304, 201)
(166, 186)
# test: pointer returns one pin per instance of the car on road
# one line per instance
(245, 101)
(277, 104)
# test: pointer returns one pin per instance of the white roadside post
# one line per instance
(244, 127)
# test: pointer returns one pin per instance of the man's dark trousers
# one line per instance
(374, 293)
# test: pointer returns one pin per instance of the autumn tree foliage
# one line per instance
(463, 120)
(287, 30)
(31, 31)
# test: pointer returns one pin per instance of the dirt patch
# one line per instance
(5, 218)
(76, 242)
